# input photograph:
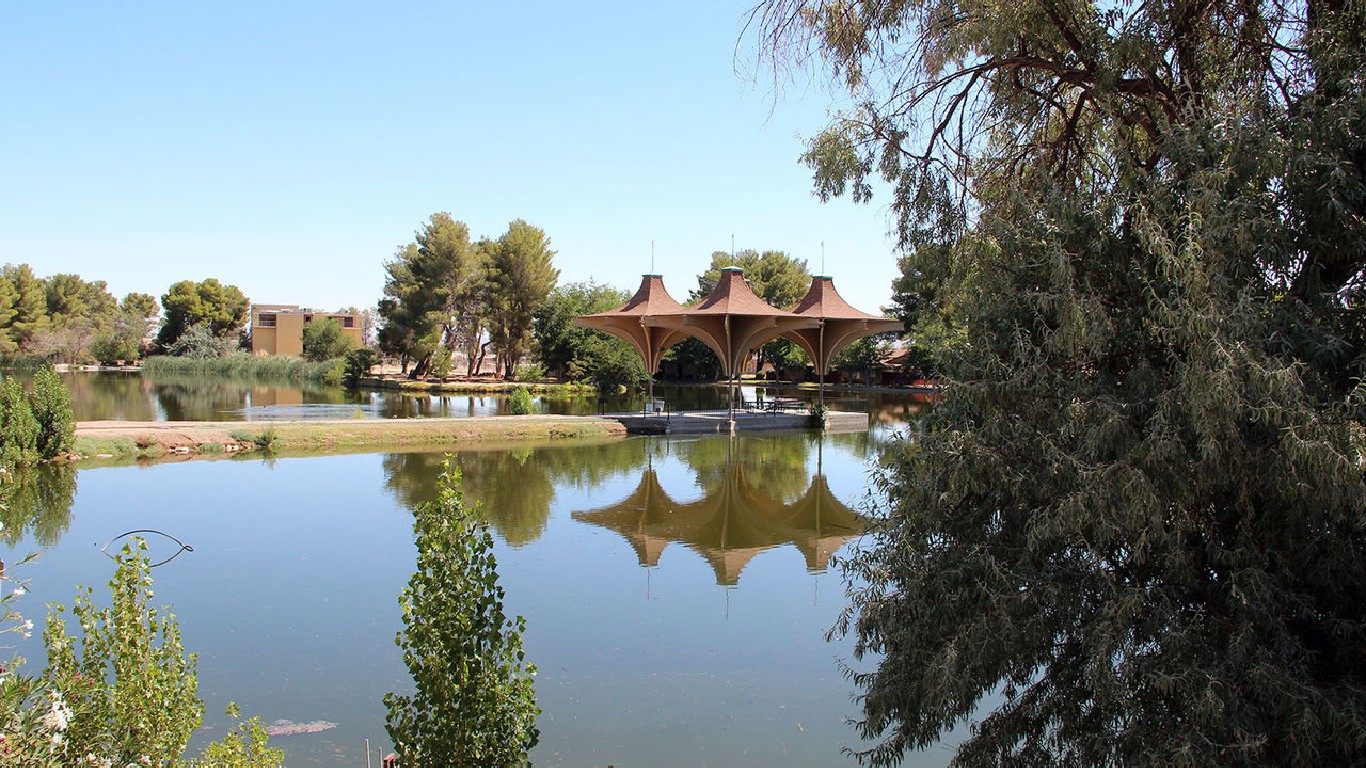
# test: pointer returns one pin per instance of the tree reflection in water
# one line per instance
(38, 500)
(757, 493)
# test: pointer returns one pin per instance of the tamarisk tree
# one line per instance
(1133, 531)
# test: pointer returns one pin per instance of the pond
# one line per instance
(677, 591)
(133, 397)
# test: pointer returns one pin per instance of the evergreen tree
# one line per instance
(434, 294)
(1133, 531)
(521, 276)
(780, 280)
(30, 304)
(222, 309)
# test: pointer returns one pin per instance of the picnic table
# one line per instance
(778, 404)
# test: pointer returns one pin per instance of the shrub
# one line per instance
(131, 688)
(51, 404)
(123, 692)
(18, 428)
(199, 342)
(266, 440)
(247, 745)
(358, 364)
(520, 402)
(323, 339)
(474, 703)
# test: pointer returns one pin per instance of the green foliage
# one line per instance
(358, 364)
(200, 342)
(474, 703)
(691, 358)
(19, 430)
(37, 424)
(27, 310)
(129, 685)
(783, 355)
(50, 402)
(110, 349)
(520, 278)
(246, 745)
(266, 438)
(323, 339)
(520, 402)
(1132, 532)
(239, 365)
(865, 354)
(121, 693)
(72, 300)
(563, 348)
(435, 294)
(221, 308)
(609, 363)
(128, 331)
(778, 279)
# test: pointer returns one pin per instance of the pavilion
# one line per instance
(733, 322)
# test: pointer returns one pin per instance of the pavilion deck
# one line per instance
(716, 422)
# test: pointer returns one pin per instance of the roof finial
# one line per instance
(652, 257)
(822, 257)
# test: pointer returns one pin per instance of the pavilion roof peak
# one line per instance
(822, 300)
(733, 295)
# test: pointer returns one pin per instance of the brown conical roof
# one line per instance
(839, 324)
(732, 320)
(627, 321)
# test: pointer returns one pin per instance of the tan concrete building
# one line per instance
(278, 329)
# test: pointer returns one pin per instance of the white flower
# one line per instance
(20, 591)
(28, 626)
(57, 717)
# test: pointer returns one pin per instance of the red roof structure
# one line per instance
(627, 322)
(840, 324)
(732, 320)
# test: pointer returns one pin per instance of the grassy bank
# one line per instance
(241, 365)
(119, 440)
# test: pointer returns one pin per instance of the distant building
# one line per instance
(278, 329)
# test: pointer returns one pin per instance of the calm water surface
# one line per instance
(676, 590)
(132, 397)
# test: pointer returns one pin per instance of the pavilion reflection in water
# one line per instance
(731, 524)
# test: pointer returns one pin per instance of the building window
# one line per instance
(348, 322)
(266, 321)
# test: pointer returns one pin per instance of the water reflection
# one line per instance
(735, 521)
(129, 396)
(36, 503)
(515, 486)
(757, 493)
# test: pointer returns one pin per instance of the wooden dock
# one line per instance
(716, 422)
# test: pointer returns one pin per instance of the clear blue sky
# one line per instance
(290, 148)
